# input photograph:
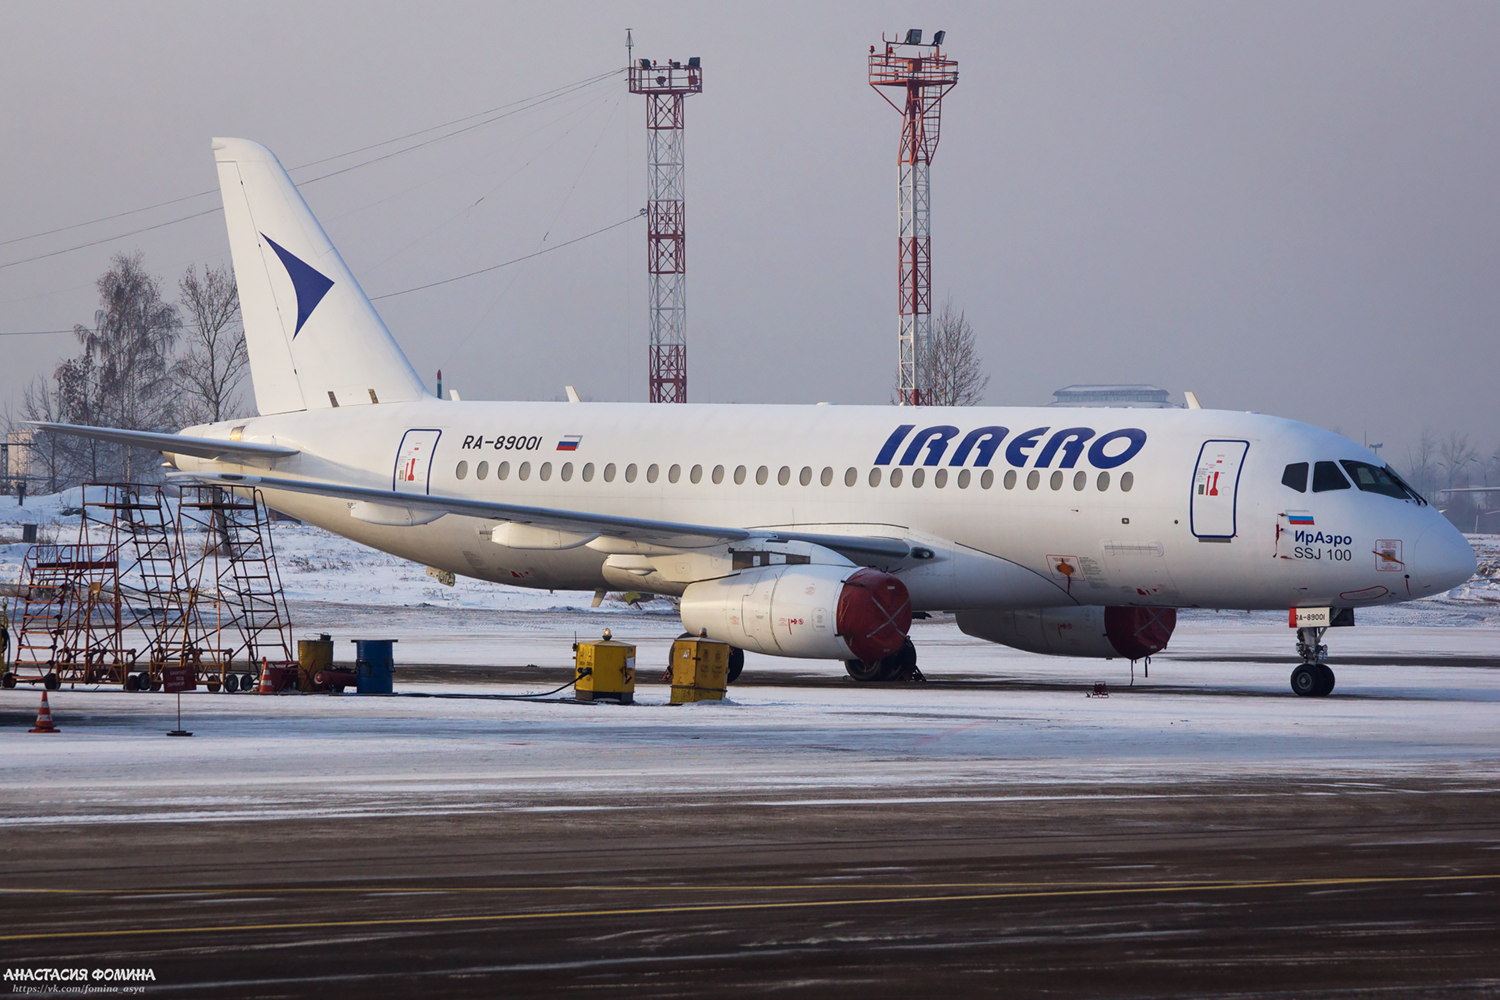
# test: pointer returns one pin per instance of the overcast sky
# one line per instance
(1291, 208)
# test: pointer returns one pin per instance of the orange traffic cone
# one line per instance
(44, 718)
(265, 678)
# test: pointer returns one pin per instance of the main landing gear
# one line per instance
(899, 666)
(1312, 678)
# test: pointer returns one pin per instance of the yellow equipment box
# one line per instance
(700, 670)
(604, 669)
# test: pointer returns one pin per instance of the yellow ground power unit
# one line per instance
(700, 670)
(604, 670)
(313, 657)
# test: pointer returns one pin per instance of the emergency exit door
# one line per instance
(1216, 489)
(414, 461)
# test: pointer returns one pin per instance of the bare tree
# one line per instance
(122, 374)
(1421, 463)
(949, 371)
(1455, 454)
(216, 360)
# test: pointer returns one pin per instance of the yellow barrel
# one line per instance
(313, 655)
(604, 670)
(700, 670)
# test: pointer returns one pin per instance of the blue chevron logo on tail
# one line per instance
(311, 284)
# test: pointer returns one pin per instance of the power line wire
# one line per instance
(508, 263)
(527, 103)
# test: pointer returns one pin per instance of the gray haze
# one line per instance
(1291, 208)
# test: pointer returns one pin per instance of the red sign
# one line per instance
(178, 677)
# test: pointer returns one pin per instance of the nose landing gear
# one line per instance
(1312, 678)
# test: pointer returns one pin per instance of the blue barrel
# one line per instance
(374, 665)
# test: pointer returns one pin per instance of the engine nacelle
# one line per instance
(1079, 631)
(820, 612)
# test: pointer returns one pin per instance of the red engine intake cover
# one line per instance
(874, 614)
(1139, 632)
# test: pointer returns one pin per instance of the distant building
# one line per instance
(1141, 396)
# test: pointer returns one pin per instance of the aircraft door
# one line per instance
(414, 461)
(1216, 489)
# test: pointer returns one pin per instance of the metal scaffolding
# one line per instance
(152, 583)
(665, 87)
(923, 76)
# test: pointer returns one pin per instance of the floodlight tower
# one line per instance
(665, 87)
(921, 75)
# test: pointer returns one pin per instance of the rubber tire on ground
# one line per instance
(736, 664)
(231, 683)
(1306, 681)
(155, 685)
(1327, 680)
(131, 683)
(865, 672)
(213, 687)
(247, 683)
(52, 682)
(8, 680)
(143, 682)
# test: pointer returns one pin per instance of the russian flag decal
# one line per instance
(1300, 518)
(570, 443)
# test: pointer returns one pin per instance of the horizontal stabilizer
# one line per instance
(172, 444)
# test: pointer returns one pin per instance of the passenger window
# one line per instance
(674, 473)
(1373, 479)
(963, 478)
(940, 478)
(739, 475)
(1326, 476)
(652, 472)
(1010, 479)
(462, 470)
(718, 474)
(567, 471)
(482, 470)
(629, 473)
(588, 472)
(988, 479)
(502, 470)
(895, 479)
(917, 478)
(827, 477)
(851, 476)
(784, 476)
(761, 475)
(609, 473)
(696, 475)
(1295, 476)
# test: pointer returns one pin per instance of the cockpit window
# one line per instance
(1295, 476)
(1326, 476)
(1419, 498)
(1373, 479)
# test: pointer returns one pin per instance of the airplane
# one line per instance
(812, 531)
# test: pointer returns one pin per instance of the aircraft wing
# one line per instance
(586, 525)
(176, 444)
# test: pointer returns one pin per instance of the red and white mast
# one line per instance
(921, 76)
(665, 87)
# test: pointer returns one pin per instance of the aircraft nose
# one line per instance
(1444, 559)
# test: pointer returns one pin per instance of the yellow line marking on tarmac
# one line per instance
(731, 907)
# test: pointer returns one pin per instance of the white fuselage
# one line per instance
(1073, 525)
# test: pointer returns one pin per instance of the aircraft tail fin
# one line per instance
(314, 339)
